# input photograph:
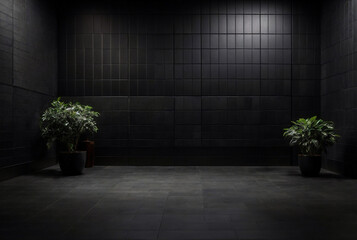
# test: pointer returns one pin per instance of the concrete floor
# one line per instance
(178, 203)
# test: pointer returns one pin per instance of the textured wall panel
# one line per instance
(28, 79)
(338, 83)
(196, 74)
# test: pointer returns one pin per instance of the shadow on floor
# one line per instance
(326, 175)
(49, 173)
(331, 175)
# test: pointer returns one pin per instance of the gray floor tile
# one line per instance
(253, 203)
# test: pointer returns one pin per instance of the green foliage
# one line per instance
(311, 135)
(66, 122)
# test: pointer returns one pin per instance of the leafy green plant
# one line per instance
(311, 135)
(66, 122)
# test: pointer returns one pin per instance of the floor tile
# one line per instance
(246, 203)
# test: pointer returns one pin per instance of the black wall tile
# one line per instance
(28, 79)
(338, 88)
(6, 42)
(36, 46)
(219, 74)
(6, 125)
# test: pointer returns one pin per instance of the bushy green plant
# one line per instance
(311, 135)
(66, 122)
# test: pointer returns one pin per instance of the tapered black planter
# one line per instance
(72, 163)
(310, 166)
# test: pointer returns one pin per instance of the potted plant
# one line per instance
(65, 123)
(312, 136)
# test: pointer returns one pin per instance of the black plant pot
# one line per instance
(72, 163)
(310, 166)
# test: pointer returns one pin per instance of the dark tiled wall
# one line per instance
(306, 58)
(6, 90)
(28, 79)
(198, 75)
(339, 84)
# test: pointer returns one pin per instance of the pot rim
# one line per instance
(305, 155)
(62, 152)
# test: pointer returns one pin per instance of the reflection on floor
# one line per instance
(178, 203)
